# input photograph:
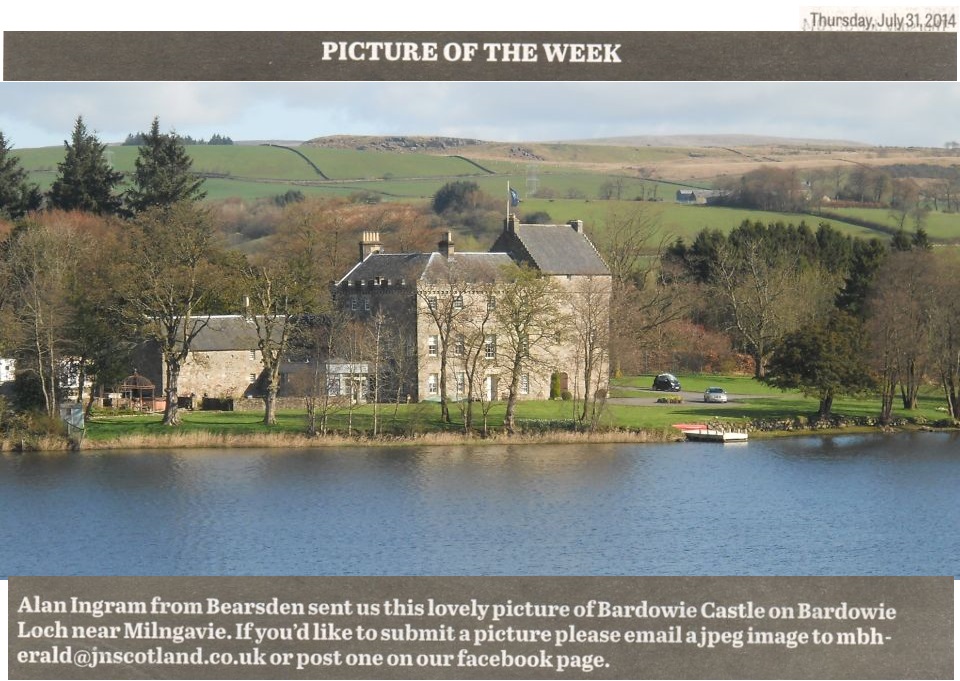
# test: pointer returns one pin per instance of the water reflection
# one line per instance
(843, 505)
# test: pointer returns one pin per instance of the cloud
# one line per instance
(921, 114)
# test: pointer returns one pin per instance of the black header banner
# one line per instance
(479, 56)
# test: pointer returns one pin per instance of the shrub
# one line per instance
(566, 395)
(554, 386)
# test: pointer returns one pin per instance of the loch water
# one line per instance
(838, 505)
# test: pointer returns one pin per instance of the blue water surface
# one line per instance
(847, 505)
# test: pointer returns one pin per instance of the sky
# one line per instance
(889, 114)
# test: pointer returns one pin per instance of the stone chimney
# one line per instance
(577, 226)
(446, 246)
(370, 243)
(510, 223)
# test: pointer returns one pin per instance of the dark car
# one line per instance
(666, 382)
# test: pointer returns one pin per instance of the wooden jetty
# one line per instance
(699, 432)
(723, 436)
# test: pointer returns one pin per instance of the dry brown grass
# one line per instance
(42, 443)
(201, 440)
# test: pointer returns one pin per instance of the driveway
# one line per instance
(646, 397)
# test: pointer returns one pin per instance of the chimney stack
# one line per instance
(577, 226)
(446, 246)
(509, 223)
(369, 244)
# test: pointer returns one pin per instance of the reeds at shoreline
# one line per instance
(286, 440)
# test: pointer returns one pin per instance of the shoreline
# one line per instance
(212, 440)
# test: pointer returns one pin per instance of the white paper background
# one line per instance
(435, 16)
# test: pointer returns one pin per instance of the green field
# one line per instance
(676, 220)
(252, 172)
(940, 226)
(347, 164)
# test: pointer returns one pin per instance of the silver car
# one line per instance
(714, 395)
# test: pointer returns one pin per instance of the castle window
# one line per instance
(524, 384)
(433, 346)
(433, 384)
(490, 347)
(432, 303)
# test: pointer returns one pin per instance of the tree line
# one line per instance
(827, 313)
(907, 192)
(138, 139)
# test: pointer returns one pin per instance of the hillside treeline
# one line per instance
(909, 190)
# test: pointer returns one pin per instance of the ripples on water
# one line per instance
(829, 506)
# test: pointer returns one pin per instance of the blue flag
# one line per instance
(514, 197)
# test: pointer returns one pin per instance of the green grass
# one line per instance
(772, 403)
(348, 164)
(425, 417)
(940, 226)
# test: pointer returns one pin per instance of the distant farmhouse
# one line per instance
(700, 196)
(415, 292)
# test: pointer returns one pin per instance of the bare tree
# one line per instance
(475, 352)
(901, 318)
(946, 332)
(443, 304)
(763, 297)
(530, 317)
(45, 268)
(170, 280)
(644, 293)
(590, 315)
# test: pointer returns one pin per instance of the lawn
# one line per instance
(407, 419)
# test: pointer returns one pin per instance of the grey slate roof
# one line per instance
(395, 267)
(227, 332)
(472, 267)
(553, 249)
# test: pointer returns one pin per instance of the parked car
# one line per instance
(714, 395)
(666, 382)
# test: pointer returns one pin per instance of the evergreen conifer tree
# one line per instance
(85, 181)
(17, 196)
(163, 174)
